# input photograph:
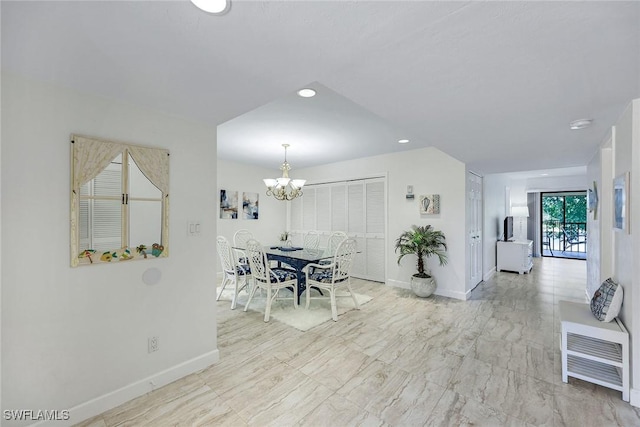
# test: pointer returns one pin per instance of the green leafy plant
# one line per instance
(424, 242)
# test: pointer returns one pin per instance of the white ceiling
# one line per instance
(493, 84)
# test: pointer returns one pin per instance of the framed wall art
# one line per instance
(250, 205)
(228, 204)
(119, 201)
(621, 202)
(430, 204)
(592, 199)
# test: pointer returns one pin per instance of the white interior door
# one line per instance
(474, 227)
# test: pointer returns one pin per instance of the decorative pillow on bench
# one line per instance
(606, 301)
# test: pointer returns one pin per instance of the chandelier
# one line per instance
(284, 188)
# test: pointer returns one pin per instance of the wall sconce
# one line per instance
(409, 192)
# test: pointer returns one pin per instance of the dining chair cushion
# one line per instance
(243, 269)
(324, 276)
(283, 274)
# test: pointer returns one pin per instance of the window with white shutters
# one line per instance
(101, 209)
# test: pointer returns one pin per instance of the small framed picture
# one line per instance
(621, 202)
(430, 204)
(250, 205)
(228, 204)
(592, 200)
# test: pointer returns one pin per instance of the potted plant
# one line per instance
(423, 242)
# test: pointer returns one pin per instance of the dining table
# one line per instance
(297, 258)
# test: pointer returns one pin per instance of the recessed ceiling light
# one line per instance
(307, 92)
(217, 7)
(580, 124)
(544, 174)
(403, 141)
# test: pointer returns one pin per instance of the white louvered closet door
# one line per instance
(339, 207)
(356, 207)
(366, 223)
(356, 225)
(295, 221)
(375, 230)
(323, 209)
(309, 213)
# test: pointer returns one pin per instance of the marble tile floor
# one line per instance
(493, 360)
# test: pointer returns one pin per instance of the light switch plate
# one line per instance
(194, 228)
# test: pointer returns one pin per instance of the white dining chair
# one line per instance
(335, 239)
(240, 239)
(270, 279)
(311, 240)
(233, 272)
(332, 244)
(333, 276)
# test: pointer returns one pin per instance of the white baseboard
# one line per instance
(115, 398)
(453, 294)
(442, 292)
(634, 397)
(398, 284)
(489, 274)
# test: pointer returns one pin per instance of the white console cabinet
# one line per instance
(515, 256)
(594, 351)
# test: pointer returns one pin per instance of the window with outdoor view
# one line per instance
(564, 224)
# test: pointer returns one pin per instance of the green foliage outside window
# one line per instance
(553, 208)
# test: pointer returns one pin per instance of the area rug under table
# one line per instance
(300, 318)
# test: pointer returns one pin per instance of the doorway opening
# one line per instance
(564, 224)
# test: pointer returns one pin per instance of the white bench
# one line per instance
(594, 351)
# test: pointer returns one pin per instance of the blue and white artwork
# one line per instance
(250, 205)
(620, 202)
(228, 204)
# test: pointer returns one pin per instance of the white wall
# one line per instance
(599, 223)
(495, 209)
(1, 405)
(605, 214)
(626, 246)
(594, 254)
(74, 334)
(618, 250)
(634, 308)
(557, 183)
(623, 241)
(272, 217)
(430, 171)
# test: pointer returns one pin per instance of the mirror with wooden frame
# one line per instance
(119, 201)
